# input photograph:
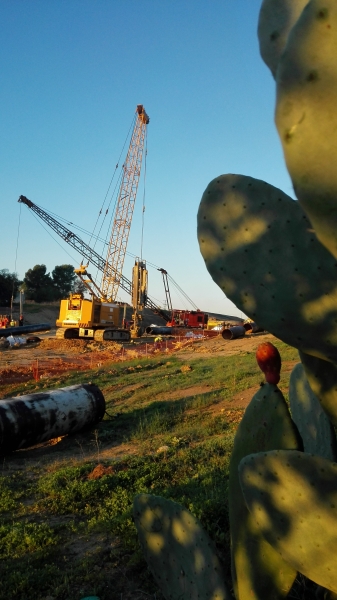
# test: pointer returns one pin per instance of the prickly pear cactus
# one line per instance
(292, 498)
(315, 427)
(322, 377)
(178, 551)
(306, 115)
(259, 247)
(275, 258)
(276, 20)
(257, 570)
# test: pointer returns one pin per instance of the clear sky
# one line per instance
(72, 73)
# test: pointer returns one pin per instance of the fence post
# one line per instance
(37, 370)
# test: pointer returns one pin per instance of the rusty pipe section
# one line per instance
(233, 332)
(35, 418)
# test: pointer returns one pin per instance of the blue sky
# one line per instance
(72, 73)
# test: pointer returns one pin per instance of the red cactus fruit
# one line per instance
(269, 360)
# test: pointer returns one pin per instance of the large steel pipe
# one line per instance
(6, 332)
(233, 332)
(35, 418)
(253, 327)
(161, 330)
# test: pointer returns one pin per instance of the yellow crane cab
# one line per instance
(94, 318)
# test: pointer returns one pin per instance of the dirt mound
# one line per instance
(15, 375)
(78, 346)
(219, 346)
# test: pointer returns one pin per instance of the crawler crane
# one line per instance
(99, 317)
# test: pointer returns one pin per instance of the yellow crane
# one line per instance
(99, 317)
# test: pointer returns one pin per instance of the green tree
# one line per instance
(79, 287)
(9, 285)
(63, 280)
(39, 285)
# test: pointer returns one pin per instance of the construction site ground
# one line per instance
(50, 356)
(17, 366)
(52, 361)
(128, 389)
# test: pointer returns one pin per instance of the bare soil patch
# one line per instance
(194, 390)
(18, 363)
(217, 346)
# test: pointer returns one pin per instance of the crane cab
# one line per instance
(92, 318)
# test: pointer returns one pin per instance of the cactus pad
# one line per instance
(178, 551)
(259, 248)
(322, 377)
(258, 571)
(275, 22)
(292, 497)
(312, 422)
(306, 115)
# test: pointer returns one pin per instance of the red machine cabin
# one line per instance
(188, 318)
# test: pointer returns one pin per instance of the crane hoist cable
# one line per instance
(107, 211)
(121, 216)
(82, 230)
(52, 237)
(182, 292)
(124, 209)
(112, 178)
(17, 241)
(16, 257)
(105, 241)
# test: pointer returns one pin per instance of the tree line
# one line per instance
(40, 286)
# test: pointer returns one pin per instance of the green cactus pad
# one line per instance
(178, 551)
(292, 498)
(306, 115)
(258, 571)
(259, 248)
(322, 377)
(315, 427)
(276, 19)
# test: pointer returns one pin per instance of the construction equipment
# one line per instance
(191, 319)
(99, 317)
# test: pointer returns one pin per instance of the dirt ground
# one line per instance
(21, 357)
(17, 365)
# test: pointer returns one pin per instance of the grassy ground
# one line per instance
(66, 528)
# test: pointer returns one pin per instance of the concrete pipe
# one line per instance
(35, 418)
(233, 332)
